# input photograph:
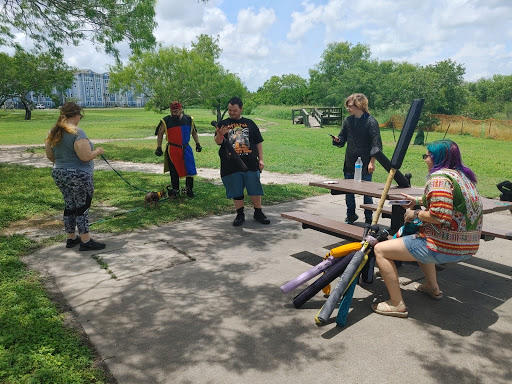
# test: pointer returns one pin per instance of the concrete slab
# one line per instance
(199, 302)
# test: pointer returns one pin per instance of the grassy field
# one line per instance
(99, 123)
(35, 347)
(288, 148)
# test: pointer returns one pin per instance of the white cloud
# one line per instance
(476, 59)
(474, 33)
(179, 22)
(246, 47)
(247, 39)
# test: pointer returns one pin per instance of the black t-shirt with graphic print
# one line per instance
(243, 135)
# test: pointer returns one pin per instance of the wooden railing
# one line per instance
(301, 116)
(305, 117)
(324, 115)
(317, 114)
(331, 115)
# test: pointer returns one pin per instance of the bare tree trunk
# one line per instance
(28, 111)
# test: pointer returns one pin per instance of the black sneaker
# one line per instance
(239, 219)
(70, 243)
(260, 216)
(189, 192)
(91, 245)
(350, 219)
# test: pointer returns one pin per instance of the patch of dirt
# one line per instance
(36, 228)
(43, 226)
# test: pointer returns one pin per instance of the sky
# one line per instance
(263, 38)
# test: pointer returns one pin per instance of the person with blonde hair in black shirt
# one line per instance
(360, 131)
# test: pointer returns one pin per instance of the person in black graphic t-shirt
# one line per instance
(245, 138)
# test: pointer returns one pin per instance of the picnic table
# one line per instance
(374, 189)
(395, 212)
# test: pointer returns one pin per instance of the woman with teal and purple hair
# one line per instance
(450, 229)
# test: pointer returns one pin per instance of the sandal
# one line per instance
(429, 292)
(385, 308)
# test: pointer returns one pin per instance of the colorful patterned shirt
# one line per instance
(452, 199)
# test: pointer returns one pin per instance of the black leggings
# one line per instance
(77, 188)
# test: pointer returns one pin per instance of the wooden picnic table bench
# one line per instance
(325, 225)
(395, 212)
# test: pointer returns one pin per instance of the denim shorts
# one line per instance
(236, 182)
(417, 247)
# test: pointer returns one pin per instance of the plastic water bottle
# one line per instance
(358, 170)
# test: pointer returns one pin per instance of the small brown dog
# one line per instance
(152, 198)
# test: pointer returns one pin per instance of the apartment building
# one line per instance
(91, 90)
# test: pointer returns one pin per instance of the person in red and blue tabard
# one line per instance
(179, 157)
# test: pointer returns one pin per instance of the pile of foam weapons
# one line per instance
(353, 261)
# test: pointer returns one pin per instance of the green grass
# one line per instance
(108, 123)
(34, 345)
(288, 148)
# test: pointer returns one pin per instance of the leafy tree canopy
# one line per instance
(346, 69)
(41, 73)
(192, 76)
(488, 96)
(53, 23)
(284, 90)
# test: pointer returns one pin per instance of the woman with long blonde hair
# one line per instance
(72, 154)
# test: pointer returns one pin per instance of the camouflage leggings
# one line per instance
(77, 187)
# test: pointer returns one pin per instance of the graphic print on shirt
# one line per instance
(238, 137)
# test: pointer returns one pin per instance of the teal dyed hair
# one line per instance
(446, 154)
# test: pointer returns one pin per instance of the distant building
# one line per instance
(90, 90)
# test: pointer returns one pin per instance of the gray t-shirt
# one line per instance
(65, 155)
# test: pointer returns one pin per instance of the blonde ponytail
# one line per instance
(68, 109)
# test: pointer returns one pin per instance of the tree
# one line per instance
(392, 85)
(450, 77)
(25, 72)
(284, 90)
(489, 96)
(344, 69)
(442, 87)
(173, 73)
(340, 57)
(53, 23)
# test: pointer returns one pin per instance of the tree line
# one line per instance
(345, 69)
